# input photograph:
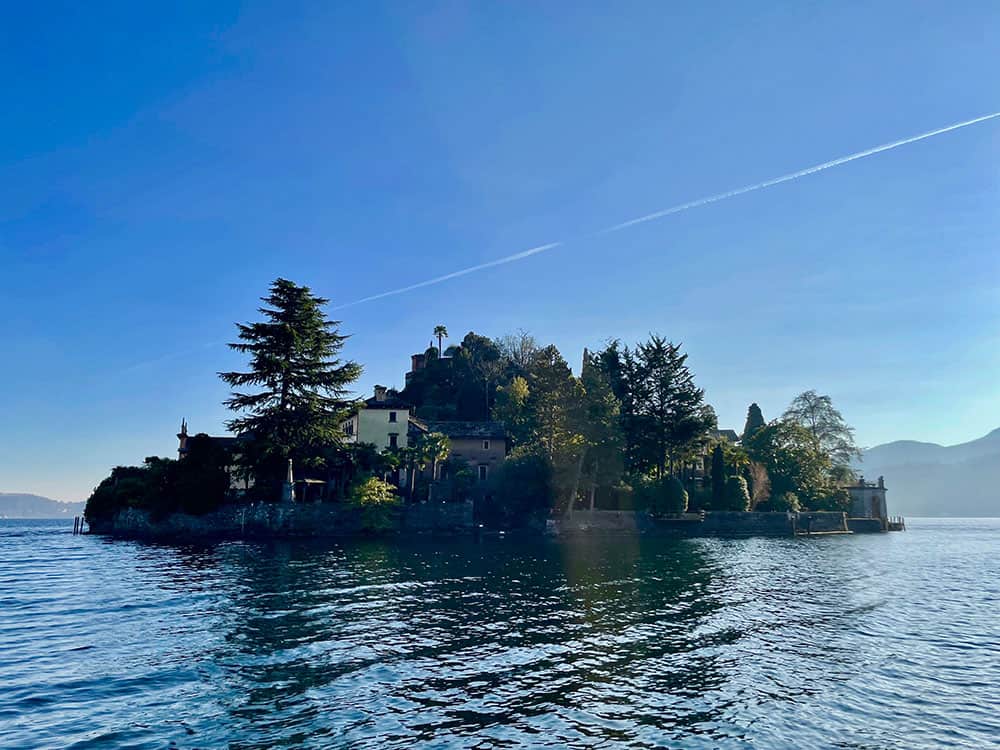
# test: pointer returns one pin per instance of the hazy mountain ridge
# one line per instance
(26, 505)
(927, 479)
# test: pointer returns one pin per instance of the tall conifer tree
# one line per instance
(718, 476)
(755, 420)
(300, 396)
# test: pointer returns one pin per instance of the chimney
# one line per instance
(380, 393)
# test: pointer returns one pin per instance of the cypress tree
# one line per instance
(755, 420)
(718, 477)
(300, 385)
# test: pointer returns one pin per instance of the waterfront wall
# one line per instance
(276, 520)
(713, 524)
(271, 520)
(865, 525)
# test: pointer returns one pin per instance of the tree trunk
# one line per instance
(593, 486)
(577, 473)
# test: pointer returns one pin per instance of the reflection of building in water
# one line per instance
(868, 499)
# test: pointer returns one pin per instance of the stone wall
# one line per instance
(603, 521)
(714, 524)
(822, 522)
(270, 520)
(738, 524)
(865, 525)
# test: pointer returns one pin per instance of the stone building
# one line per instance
(868, 499)
(481, 445)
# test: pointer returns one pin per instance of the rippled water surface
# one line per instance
(889, 641)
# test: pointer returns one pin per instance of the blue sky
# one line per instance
(159, 167)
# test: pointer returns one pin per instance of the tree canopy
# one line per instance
(817, 414)
(298, 385)
(755, 420)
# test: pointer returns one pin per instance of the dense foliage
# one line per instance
(755, 420)
(377, 502)
(523, 490)
(631, 430)
(299, 386)
(661, 496)
(198, 484)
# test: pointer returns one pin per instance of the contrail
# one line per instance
(453, 274)
(794, 175)
(681, 207)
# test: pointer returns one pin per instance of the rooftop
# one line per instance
(477, 430)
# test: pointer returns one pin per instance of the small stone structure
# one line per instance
(868, 499)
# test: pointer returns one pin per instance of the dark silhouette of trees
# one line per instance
(299, 385)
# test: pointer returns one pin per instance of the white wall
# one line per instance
(373, 426)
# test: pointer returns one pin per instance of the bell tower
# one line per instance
(182, 437)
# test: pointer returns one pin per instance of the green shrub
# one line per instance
(736, 496)
(786, 501)
(522, 490)
(661, 496)
(838, 500)
(378, 501)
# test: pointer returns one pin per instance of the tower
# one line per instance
(182, 437)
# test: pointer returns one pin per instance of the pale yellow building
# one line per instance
(382, 421)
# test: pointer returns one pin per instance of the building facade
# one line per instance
(382, 422)
(480, 445)
(868, 499)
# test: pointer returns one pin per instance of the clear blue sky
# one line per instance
(160, 166)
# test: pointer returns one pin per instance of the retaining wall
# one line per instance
(270, 520)
(865, 525)
(714, 524)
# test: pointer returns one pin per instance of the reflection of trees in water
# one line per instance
(620, 639)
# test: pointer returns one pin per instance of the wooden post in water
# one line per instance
(76, 525)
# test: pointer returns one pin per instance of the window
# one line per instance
(349, 428)
(486, 445)
(392, 416)
(483, 468)
(393, 440)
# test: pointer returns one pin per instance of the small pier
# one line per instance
(895, 523)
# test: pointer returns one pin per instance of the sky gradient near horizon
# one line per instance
(159, 167)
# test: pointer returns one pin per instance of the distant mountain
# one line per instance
(22, 505)
(927, 479)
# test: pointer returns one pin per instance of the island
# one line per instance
(486, 436)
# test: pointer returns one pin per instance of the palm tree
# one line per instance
(442, 333)
(437, 446)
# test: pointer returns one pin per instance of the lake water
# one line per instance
(888, 641)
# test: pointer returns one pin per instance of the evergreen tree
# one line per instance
(554, 395)
(737, 497)
(300, 385)
(671, 408)
(755, 420)
(600, 460)
(718, 476)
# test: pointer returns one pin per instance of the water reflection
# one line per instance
(414, 642)
(629, 642)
